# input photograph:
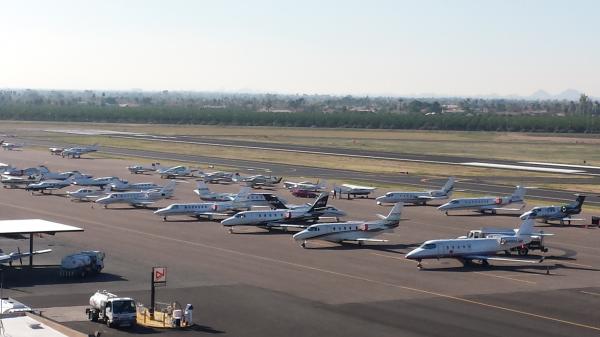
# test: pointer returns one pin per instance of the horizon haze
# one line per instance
(388, 48)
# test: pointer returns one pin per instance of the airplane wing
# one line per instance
(275, 224)
(211, 214)
(505, 209)
(499, 258)
(141, 203)
(424, 197)
(16, 255)
(369, 240)
(572, 219)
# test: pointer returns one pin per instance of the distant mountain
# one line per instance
(569, 94)
(540, 95)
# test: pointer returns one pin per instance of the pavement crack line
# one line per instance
(306, 267)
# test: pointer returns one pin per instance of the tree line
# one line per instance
(470, 121)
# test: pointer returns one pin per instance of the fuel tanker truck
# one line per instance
(82, 264)
(111, 309)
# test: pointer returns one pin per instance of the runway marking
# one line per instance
(589, 293)
(302, 266)
(523, 168)
(505, 277)
(559, 165)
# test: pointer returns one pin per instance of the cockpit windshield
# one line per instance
(454, 202)
(429, 246)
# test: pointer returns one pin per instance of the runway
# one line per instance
(258, 283)
(371, 154)
(484, 185)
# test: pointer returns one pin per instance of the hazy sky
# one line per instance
(342, 47)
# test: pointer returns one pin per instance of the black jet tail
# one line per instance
(578, 203)
(320, 202)
(275, 202)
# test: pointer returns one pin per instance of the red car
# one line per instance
(297, 192)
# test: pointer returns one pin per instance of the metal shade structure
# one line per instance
(34, 226)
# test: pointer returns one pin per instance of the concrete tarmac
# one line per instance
(257, 283)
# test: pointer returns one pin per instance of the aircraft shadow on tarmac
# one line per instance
(23, 276)
(558, 225)
(142, 330)
(548, 266)
(390, 248)
(130, 208)
(62, 195)
(510, 215)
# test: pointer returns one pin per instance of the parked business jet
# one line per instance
(138, 199)
(206, 194)
(298, 217)
(176, 172)
(353, 190)
(487, 204)
(354, 231)
(121, 186)
(204, 209)
(87, 194)
(99, 182)
(480, 249)
(418, 198)
(64, 175)
(562, 213)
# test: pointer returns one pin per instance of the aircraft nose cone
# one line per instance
(299, 236)
(411, 255)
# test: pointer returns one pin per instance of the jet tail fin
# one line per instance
(526, 227)
(320, 202)
(242, 194)
(579, 201)
(202, 188)
(395, 213)
(170, 187)
(518, 194)
(449, 186)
